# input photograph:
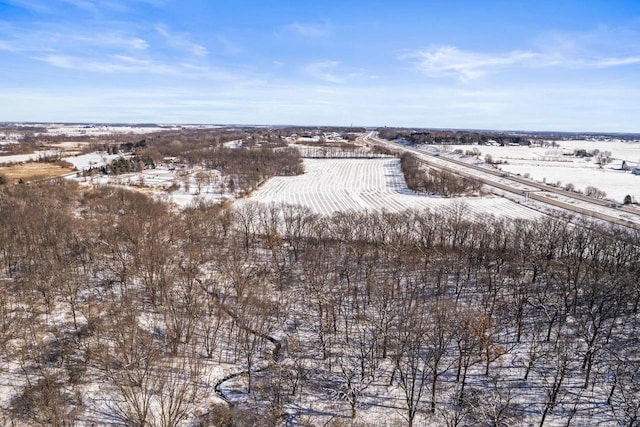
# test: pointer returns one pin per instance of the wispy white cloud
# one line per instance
(464, 65)
(324, 70)
(229, 47)
(330, 72)
(121, 50)
(114, 64)
(113, 39)
(137, 43)
(616, 62)
(92, 6)
(60, 38)
(181, 41)
(449, 61)
(309, 29)
(8, 46)
(111, 64)
(87, 5)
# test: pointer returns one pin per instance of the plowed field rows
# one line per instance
(339, 185)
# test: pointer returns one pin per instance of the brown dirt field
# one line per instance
(33, 171)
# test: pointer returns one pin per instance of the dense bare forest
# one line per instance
(485, 322)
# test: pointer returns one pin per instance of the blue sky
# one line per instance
(530, 65)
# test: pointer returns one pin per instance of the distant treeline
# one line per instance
(451, 137)
(300, 130)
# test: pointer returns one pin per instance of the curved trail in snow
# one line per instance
(275, 354)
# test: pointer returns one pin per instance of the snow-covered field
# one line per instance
(105, 129)
(556, 165)
(617, 184)
(17, 158)
(95, 160)
(338, 185)
(98, 130)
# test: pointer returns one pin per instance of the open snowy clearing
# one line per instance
(557, 165)
(91, 160)
(36, 155)
(338, 185)
(562, 150)
(617, 184)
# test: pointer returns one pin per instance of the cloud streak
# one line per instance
(466, 66)
(324, 70)
(616, 62)
(114, 64)
(308, 29)
(330, 72)
(181, 41)
(449, 61)
(91, 6)
(59, 38)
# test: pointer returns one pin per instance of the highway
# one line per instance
(546, 195)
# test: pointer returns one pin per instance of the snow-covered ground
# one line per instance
(617, 184)
(95, 160)
(620, 150)
(234, 144)
(17, 158)
(104, 129)
(338, 185)
(98, 130)
(179, 186)
(10, 138)
(556, 165)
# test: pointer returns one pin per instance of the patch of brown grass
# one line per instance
(33, 171)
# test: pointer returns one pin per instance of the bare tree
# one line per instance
(130, 366)
(555, 373)
(412, 358)
(624, 396)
